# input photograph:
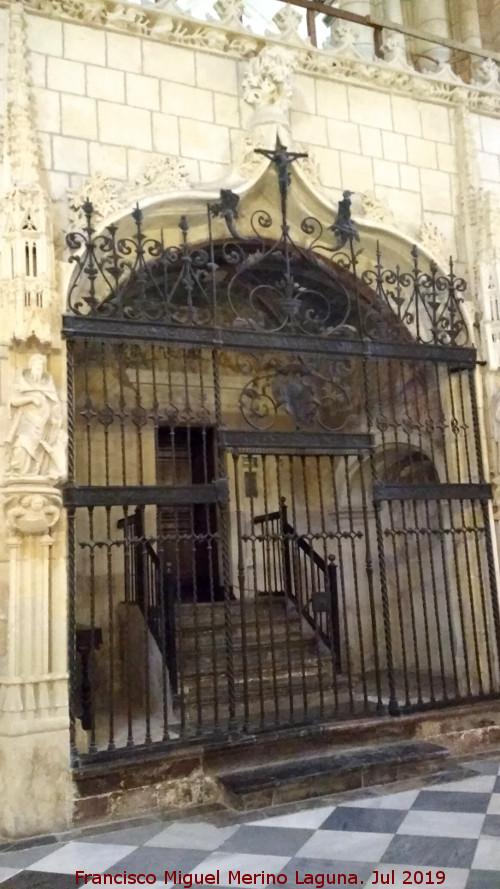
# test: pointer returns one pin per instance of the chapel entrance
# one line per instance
(277, 506)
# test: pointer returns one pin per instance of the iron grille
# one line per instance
(277, 505)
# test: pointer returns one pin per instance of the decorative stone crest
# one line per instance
(309, 166)
(268, 81)
(486, 74)
(101, 191)
(246, 162)
(163, 174)
(394, 51)
(230, 13)
(376, 209)
(343, 40)
(433, 241)
(288, 21)
(36, 441)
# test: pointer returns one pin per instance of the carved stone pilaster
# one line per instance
(27, 265)
(34, 683)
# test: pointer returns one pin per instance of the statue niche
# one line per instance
(36, 443)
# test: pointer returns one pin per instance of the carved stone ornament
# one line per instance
(268, 80)
(486, 74)
(230, 13)
(376, 209)
(343, 41)
(309, 166)
(36, 441)
(433, 240)
(394, 51)
(288, 21)
(101, 191)
(245, 161)
(166, 173)
(31, 508)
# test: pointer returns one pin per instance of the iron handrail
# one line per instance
(289, 536)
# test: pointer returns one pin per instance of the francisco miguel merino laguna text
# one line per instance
(237, 878)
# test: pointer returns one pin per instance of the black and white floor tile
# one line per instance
(446, 834)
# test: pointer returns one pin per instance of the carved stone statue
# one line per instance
(36, 443)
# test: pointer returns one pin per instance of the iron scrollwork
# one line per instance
(312, 396)
(260, 280)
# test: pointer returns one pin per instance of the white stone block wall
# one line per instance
(109, 103)
(487, 142)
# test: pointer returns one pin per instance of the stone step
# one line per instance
(205, 641)
(214, 614)
(271, 688)
(282, 782)
(298, 654)
(273, 713)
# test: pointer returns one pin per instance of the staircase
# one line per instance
(281, 666)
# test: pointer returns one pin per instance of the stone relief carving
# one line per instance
(376, 209)
(433, 240)
(166, 173)
(268, 79)
(125, 16)
(32, 509)
(36, 441)
(486, 74)
(110, 198)
(246, 162)
(309, 166)
(102, 191)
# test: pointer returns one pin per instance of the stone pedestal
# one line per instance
(35, 776)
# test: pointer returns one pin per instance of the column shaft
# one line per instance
(431, 16)
(470, 25)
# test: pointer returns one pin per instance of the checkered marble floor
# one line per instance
(443, 834)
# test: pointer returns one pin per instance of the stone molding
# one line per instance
(24, 701)
(167, 25)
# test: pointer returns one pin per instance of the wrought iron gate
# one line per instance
(277, 507)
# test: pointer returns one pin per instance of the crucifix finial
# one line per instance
(282, 159)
